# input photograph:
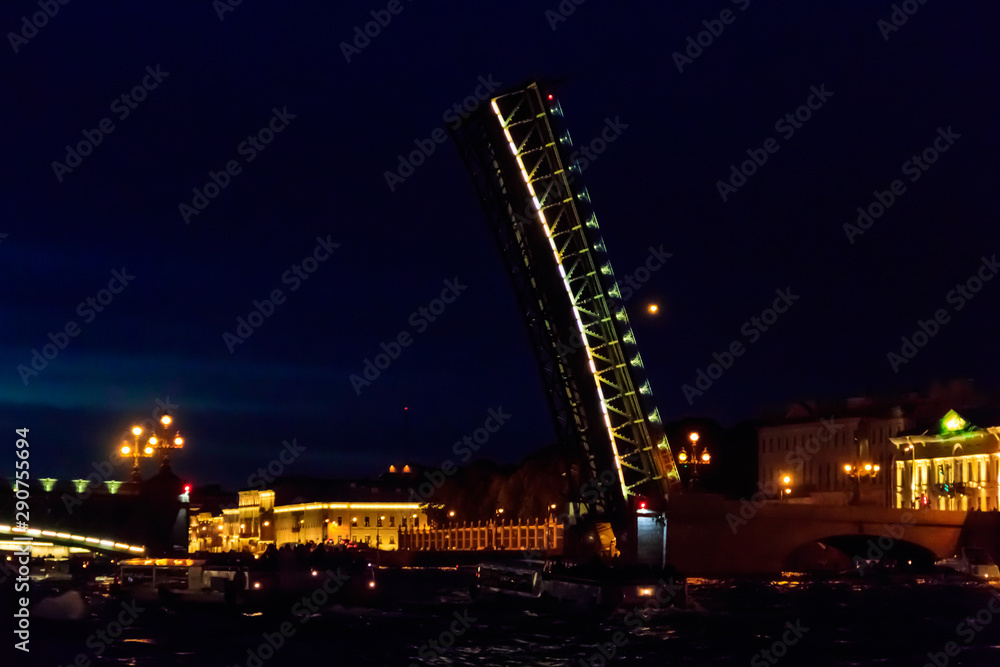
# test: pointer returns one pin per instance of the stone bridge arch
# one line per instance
(841, 552)
(709, 536)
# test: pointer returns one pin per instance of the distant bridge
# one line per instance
(60, 538)
(708, 535)
(140, 520)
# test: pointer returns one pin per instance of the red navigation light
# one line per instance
(550, 96)
(187, 488)
(642, 504)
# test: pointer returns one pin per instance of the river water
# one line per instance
(793, 621)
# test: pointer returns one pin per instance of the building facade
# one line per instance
(807, 455)
(258, 520)
(206, 533)
(374, 524)
(955, 468)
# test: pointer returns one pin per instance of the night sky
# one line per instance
(677, 126)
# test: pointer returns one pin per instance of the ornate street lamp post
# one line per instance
(136, 452)
(786, 483)
(164, 443)
(694, 458)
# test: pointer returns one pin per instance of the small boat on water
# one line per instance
(587, 588)
(205, 581)
(974, 562)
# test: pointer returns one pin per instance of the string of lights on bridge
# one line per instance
(91, 542)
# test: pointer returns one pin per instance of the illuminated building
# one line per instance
(814, 442)
(364, 512)
(367, 523)
(206, 532)
(957, 467)
(812, 446)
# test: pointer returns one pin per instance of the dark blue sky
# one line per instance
(323, 176)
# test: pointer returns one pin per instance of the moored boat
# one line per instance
(588, 588)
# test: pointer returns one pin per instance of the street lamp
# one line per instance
(694, 458)
(166, 442)
(135, 452)
(787, 483)
(856, 471)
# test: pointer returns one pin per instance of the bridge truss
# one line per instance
(516, 150)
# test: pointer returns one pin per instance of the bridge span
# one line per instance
(63, 539)
(711, 536)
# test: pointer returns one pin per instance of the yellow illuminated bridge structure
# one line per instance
(524, 169)
(43, 536)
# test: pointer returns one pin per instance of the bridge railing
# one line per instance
(530, 535)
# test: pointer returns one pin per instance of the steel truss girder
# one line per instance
(561, 391)
(519, 159)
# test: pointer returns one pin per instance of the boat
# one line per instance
(172, 580)
(974, 562)
(592, 587)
